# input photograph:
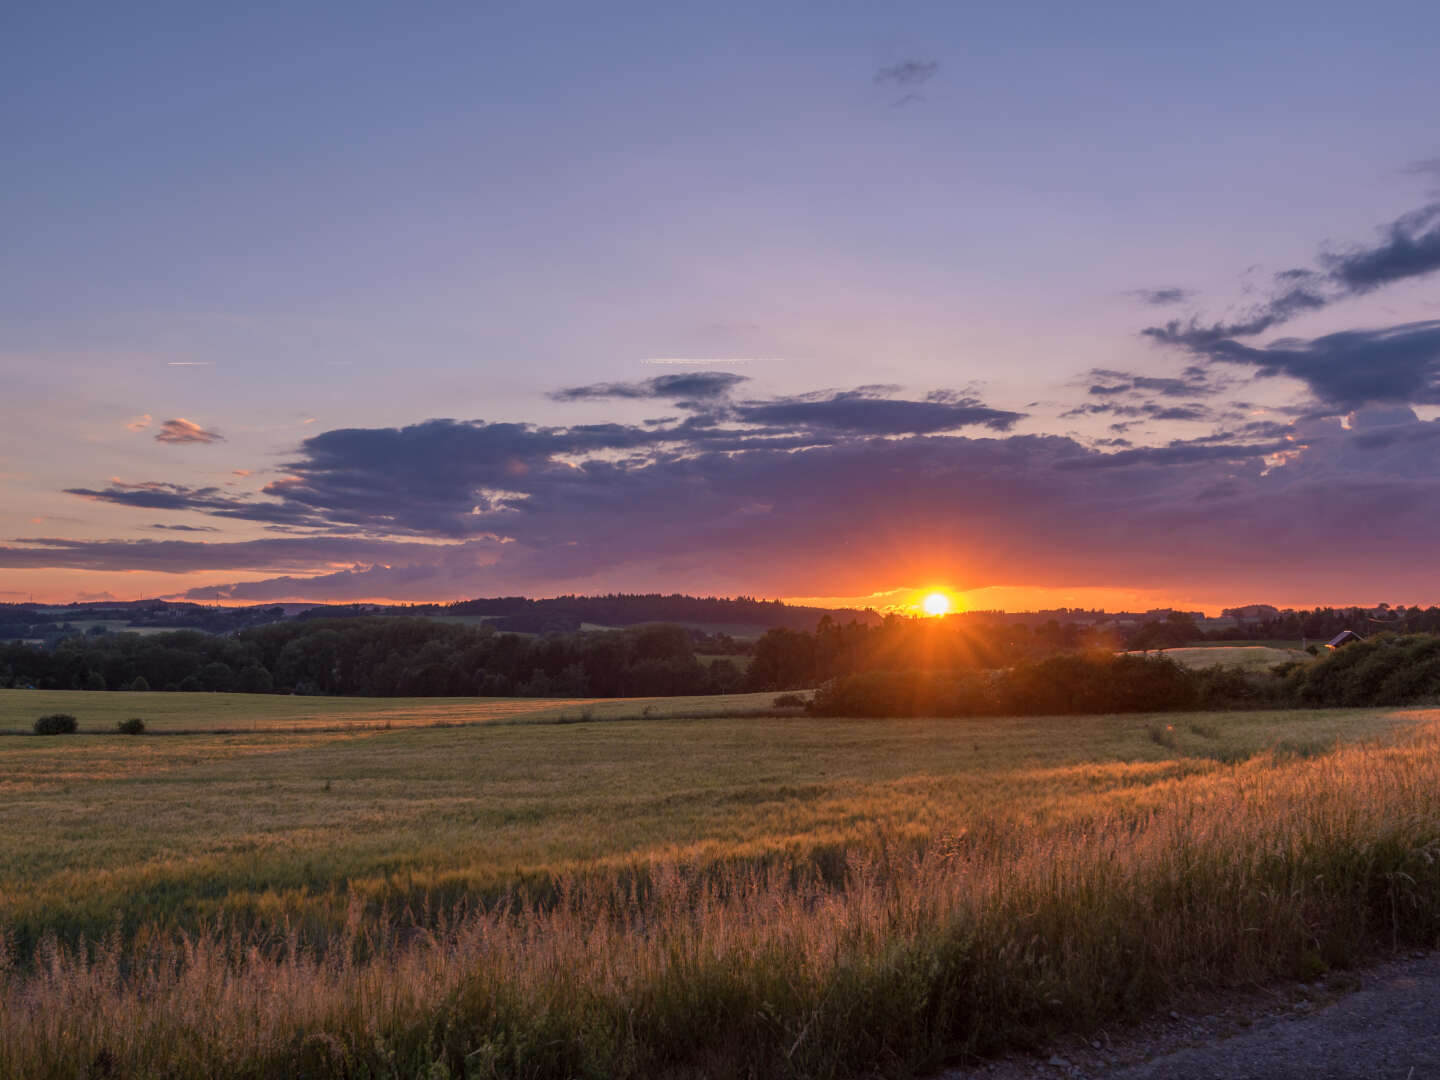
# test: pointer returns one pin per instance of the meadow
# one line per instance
(701, 895)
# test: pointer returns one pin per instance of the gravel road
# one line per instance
(1383, 1022)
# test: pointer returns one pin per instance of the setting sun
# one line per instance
(936, 604)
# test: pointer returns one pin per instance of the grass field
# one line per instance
(100, 711)
(717, 896)
(1246, 656)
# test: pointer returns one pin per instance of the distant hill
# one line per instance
(740, 616)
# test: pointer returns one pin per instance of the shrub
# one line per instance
(133, 726)
(140, 683)
(56, 724)
(789, 701)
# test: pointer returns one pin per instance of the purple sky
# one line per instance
(1048, 304)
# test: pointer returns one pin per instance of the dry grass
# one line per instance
(797, 897)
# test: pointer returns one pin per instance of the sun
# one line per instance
(937, 603)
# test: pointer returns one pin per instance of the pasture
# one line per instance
(318, 863)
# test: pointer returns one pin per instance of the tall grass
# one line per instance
(993, 936)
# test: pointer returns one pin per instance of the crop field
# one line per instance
(675, 895)
(100, 711)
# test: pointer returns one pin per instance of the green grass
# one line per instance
(1228, 655)
(100, 711)
(707, 895)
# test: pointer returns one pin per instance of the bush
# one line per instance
(133, 726)
(56, 724)
(140, 683)
(790, 701)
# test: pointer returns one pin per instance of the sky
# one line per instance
(1118, 304)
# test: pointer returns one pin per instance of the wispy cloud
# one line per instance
(907, 76)
(699, 386)
(908, 73)
(1161, 297)
(140, 423)
(1409, 247)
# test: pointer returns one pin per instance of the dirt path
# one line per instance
(1382, 1023)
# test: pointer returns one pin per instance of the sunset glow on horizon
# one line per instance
(328, 344)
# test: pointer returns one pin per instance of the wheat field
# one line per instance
(685, 897)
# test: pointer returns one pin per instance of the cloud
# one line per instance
(1409, 247)
(1194, 382)
(909, 76)
(181, 430)
(1162, 297)
(908, 73)
(1428, 168)
(990, 509)
(140, 423)
(1351, 368)
(824, 492)
(186, 528)
(311, 553)
(858, 412)
(696, 386)
(443, 476)
(1280, 308)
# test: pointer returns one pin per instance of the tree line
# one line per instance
(1382, 671)
(406, 657)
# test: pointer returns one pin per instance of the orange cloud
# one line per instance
(140, 423)
(181, 430)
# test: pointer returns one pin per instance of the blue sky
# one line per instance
(278, 221)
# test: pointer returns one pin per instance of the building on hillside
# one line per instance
(1345, 637)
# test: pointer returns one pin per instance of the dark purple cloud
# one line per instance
(859, 413)
(1409, 247)
(692, 386)
(1039, 509)
(1351, 368)
(309, 553)
(823, 493)
(1162, 297)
